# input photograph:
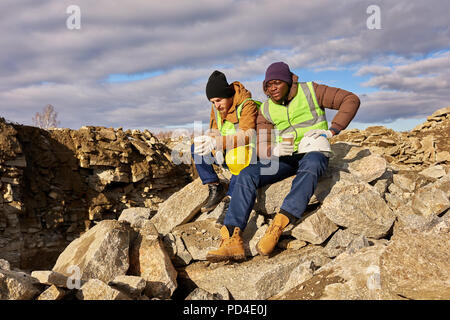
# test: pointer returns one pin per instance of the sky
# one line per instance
(144, 64)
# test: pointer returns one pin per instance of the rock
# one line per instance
(135, 216)
(4, 264)
(404, 182)
(416, 265)
(100, 253)
(107, 134)
(435, 172)
(359, 208)
(328, 181)
(339, 242)
(368, 168)
(293, 244)
(200, 294)
(132, 286)
(315, 228)
(441, 112)
(52, 293)
(50, 278)
(357, 243)
(180, 207)
(199, 237)
(300, 274)
(96, 289)
(349, 276)
(270, 198)
(149, 260)
(255, 279)
(218, 214)
(443, 184)
(176, 250)
(443, 156)
(253, 232)
(430, 200)
(15, 285)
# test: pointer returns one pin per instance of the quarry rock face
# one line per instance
(377, 226)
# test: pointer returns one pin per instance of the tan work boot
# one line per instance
(270, 239)
(231, 248)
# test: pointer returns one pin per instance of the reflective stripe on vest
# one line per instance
(299, 116)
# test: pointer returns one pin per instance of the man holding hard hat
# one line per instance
(295, 110)
(230, 140)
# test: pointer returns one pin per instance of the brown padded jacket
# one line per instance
(346, 102)
(247, 121)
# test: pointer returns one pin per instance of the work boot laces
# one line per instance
(275, 230)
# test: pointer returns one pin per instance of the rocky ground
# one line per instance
(55, 184)
(377, 227)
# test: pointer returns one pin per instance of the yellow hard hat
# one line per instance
(238, 158)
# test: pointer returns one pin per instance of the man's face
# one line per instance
(277, 89)
(222, 105)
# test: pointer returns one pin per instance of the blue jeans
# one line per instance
(205, 170)
(307, 167)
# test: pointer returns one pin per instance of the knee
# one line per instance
(314, 162)
(248, 176)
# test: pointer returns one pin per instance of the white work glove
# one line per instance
(283, 149)
(219, 157)
(315, 133)
(203, 145)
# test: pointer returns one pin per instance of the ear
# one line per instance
(264, 90)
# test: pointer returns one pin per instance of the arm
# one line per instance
(346, 102)
(264, 136)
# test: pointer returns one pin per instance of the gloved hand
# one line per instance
(203, 145)
(315, 133)
(219, 157)
(283, 149)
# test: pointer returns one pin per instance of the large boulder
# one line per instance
(432, 199)
(255, 279)
(358, 161)
(100, 253)
(199, 237)
(16, 285)
(360, 208)
(96, 289)
(416, 264)
(150, 261)
(181, 207)
(135, 216)
(132, 286)
(350, 276)
(315, 228)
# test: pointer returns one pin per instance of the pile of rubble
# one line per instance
(55, 183)
(424, 145)
(376, 228)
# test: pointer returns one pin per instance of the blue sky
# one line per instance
(144, 64)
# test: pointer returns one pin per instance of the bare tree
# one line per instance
(46, 119)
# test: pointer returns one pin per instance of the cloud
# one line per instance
(43, 62)
(413, 89)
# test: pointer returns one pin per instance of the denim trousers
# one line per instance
(204, 166)
(307, 169)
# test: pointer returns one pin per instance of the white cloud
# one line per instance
(188, 40)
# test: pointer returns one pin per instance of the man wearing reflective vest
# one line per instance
(232, 124)
(295, 109)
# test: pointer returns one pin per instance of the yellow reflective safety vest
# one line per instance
(229, 128)
(299, 116)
